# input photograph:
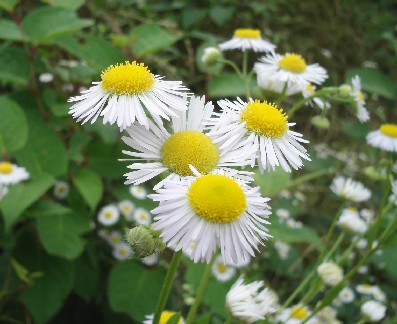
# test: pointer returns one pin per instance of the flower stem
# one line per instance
(200, 292)
(233, 65)
(165, 290)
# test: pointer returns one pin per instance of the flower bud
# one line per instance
(321, 122)
(345, 90)
(330, 273)
(211, 55)
(144, 241)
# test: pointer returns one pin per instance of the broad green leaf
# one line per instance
(49, 291)
(87, 277)
(192, 15)
(227, 85)
(44, 151)
(174, 319)
(8, 5)
(14, 66)
(375, 81)
(355, 130)
(150, 38)
(21, 196)
(272, 182)
(221, 14)
(13, 126)
(46, 23)
(68, 4)
(9, 30)
(134, 290)
(90, 186)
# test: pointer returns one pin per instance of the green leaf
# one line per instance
(192, 15)
(8, 5)
(272, 182)
(150, 38)
(355, 130)
(47, 23)
(174, 319)
(221, 14)
(90, 186)
(375, 81)
(22, 272)
(67, 4)
(14, 66)
(9, 30)
(13, 126)
(87, 277)
(227, 85)
(134, 290)
(44, 151)
(21, 196)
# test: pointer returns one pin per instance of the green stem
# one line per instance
(282, 94)
(229, 318)
(310, 176)
(361, 321)
(332, 227)
(165, 290)
(233, 65)
(200, 292)
(245, 75)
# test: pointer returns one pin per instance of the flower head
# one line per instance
(295, 315)
(346, 295)
(362, 113)
(138, 192)
(373, 310)
(164, 318)
(330, 273)
(385, 138)
(61, 189)
(122, 251)
(351, 221)
(307, 91)
(350, 189)
(247, 39)
(108, 215)
(142, 217)
(250, 302)
(12, 173)
(126, 208)
(221, 271)
(210, 56)
(127, 92)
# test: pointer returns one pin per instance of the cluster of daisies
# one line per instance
(10, 174)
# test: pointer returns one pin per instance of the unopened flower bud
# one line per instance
(345, 90)
(211, 55)
(144, 241)
(321, 122)
(330, 273)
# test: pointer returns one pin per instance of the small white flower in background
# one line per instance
(126, 208)
(393, 196)
(126, 94)
(365, 289)
(11, 173)
(46, 77)
(351, 221)
(293, 223)
(164, 318)
(108, 215)
(368, 215)
(284, 193)
(346, 295)
(308, 90)
(282, 249)
(363, 269)
(249, 302)
(378, 294)
(138, 192)
(61, 189)
(283, 214)
(150, 260)
(3, 190)
(362, 113)
(295, 315)
(290, 68)
(362, 243)
(327, 315)
(326, 52)
(104, 233)
(373, 311)
(350, 189)
(142, 217)
(330, 273)
(222, 272)
(211, 55)
(122, 251)
(247, 39)
(115, 238)
(67, 87)
(264, 82)
(385, 138)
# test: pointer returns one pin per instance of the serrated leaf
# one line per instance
(90, 186)
(227, 85)
(150, 38)
(21, 196)
(272, 182)
(47, 23)
(13, 126)
(14, 66)
(134, 290)
(9, 30)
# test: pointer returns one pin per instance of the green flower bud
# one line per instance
(345, 90)
(210, 56)
(321, 122)
(145, 241)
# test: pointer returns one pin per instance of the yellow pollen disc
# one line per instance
(366, 286)
(5, 167)
(108, 214)
(123, 250)
(247, 33)
(265, 119)
(293, 63)
(298, 312)
(189, 147)
(361, 96)
(217, 198)
(127, 79)
(221, 267)
(116, 239)
(166, 315)
(310, 88)
(352, 209)
(389, 129)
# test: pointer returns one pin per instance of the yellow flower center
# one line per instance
(298, 312)
(221, 267)
(265, 119)
(61, 189)
(143, 216)
(123, 251)
(247, 33)
(108, 214)
(116, 239)
(293, 63)
(189, 147)
(166, 315)
(127, 79)
(366, 286)
(5, 167)
(352, 209)
(309, 88)
(389, 129)
(361, 96)
(217, 198)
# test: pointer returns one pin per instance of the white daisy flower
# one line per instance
(3, 190)
(346, 295)
(363, 269)
(378, 294)
(247, 39)
(367, 214)
(385, 138)
(104, 233)
(295, 315)
(108, 215)
(164, 318)
(127, 92)
(11, 173)
(350, 189)
(277, 86)
(46, 77)
(126, 208)
(283, 214)
(308, 90)
(267, 127)
(327, 315)
(187, 145)
(365, 289)
(221, 271)
(361, 243)
(282, 249)
(61, 189)
(373, 311)
(150, 260)
(212, 210)
(138, 192)
(362, 113)
(330, 273)
(351, 221)
(115, 238)
(293, 223)
(122, 251)
(142, 217)
(290, 68)
(249, 302)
